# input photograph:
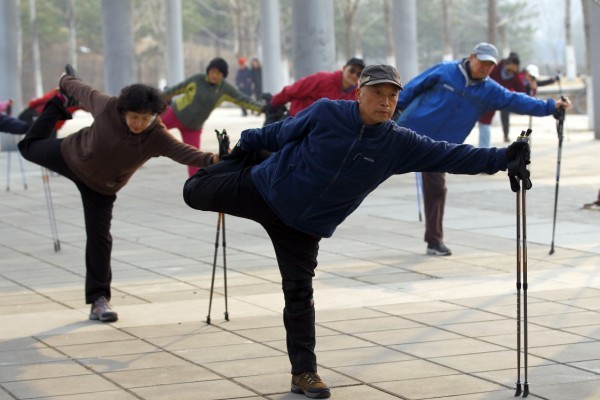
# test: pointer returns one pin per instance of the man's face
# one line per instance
(215, 76)
(377, 103)
(480, 69)
(350, 75)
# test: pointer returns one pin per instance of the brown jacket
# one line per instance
(106, 154)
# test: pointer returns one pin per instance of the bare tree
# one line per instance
(447, 36)
(569, 49)
(72, 33)
(348, 9)
(35, 48)
(491, 35)
(389, 34)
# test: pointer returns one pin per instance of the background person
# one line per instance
(444, 103)
(100, 159)
(243, 80)
(337, 85)
(506, 73)
(197, 97)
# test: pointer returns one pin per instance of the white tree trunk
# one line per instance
(35, 49)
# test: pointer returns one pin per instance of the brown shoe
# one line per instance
(311, 385)
(102, 311)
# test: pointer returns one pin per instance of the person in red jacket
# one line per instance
(337, 85)
(506, 74)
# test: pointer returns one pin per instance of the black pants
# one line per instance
(434, 201)
(227, 188)
(39, 148)
(505, 120)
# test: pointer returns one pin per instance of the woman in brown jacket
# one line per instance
(100, 159)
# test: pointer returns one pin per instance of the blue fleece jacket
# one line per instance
(326, 161)
(444, 103)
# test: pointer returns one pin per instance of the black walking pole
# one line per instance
(419, 181)
(223, 140)
(560, 121)
(522, 388)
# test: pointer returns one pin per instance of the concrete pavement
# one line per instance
(392, 323)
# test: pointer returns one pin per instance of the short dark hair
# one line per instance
(513, 58)
(219, 64)
(141, 98)
(356, 61)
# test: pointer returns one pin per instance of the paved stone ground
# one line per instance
(392, 323)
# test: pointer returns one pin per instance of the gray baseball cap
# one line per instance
(375, 74)
(486, 52)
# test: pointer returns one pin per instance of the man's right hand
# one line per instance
(236, 153)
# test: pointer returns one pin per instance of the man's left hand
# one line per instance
(518, 154)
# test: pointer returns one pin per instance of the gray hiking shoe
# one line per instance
(102, 311)
(311, 385)
(438, 249)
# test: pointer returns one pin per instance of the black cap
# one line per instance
(219, 64)
(376, 74)
(356, 61)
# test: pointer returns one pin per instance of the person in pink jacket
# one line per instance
(337, 85)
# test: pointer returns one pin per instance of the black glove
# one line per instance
(69, 70)
(223, 140)
(236, 153)
(518, 154)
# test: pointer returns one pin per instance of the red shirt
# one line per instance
(309, 89)
(514, 84)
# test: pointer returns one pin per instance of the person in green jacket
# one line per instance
(195, 99)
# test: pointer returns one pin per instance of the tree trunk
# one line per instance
(447, 21)
(35, 48)
(569, 49)
(491, 35)
(72, 33)
(389, 34)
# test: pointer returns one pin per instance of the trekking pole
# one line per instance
(560, 121)
(419, 181)
(522, 388)
(212, 282)
(50, 208)
(223, 140)
(518, 208)
(525, 336)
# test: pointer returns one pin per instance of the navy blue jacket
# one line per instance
(326, 161)
(12, 125)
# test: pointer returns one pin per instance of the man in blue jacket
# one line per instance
(444, 103)
(324, 162)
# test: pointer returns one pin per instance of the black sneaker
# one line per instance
(311, 385)
(438, 249)
(102, 311)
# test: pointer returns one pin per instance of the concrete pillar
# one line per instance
(175, 67)
(272, 67)
(405, 38)
(117, 33)
(594, 103)
(313, 37)
(10, 76)
(10, 81)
